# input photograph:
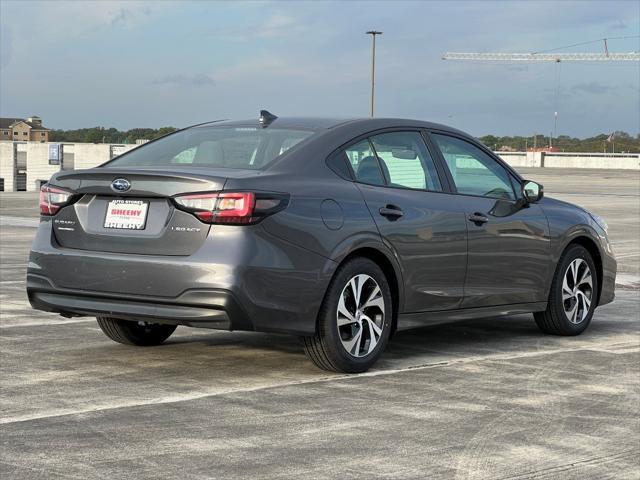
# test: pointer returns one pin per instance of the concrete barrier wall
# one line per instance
(38, 168)
(612, 161)
(521, 159)
(6, 165)
(89, 155)
(85, 155)
(578, 160)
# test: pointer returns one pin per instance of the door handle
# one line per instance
(478, 218)
(391, 212)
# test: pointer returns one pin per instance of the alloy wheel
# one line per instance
(577, 291)
(360, 315)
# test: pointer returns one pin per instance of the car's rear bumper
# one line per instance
(242, 278)
(218, 309)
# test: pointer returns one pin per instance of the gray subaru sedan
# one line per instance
(337, 231)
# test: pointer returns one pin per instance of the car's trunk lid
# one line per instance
(142, 219)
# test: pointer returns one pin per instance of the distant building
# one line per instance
(21, 130)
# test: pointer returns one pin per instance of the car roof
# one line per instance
(310, 123)
(321, 123)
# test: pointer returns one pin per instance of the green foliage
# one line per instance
(622, 141)
(107, 135)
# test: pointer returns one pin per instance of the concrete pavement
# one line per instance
(490, 398)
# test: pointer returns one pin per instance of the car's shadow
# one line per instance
(206, 356)
(247, 353)
(77, 367)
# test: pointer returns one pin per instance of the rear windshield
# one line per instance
(227, 147)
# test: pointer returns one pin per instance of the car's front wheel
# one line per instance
(573, 296)
(141, 333)
(354, 321)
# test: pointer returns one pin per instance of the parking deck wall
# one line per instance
(88, 155)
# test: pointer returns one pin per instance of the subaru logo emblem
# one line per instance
(120, 185)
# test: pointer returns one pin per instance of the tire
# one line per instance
(558, 318)
(371, 322)
(133, 333)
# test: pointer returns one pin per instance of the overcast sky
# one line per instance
(149, 64)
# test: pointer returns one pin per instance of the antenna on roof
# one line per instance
(266, 118)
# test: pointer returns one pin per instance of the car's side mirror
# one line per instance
(532, 191)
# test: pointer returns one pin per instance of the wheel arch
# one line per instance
(592, 247)
(389, 267)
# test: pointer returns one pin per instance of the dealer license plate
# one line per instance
(126, 214)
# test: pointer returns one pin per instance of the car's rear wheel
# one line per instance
(354, 321)
(573, 296)
(141, 333)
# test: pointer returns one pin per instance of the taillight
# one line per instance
(53, 199)
(231, 207)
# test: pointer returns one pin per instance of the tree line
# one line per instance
(108, 135)
(618, 141)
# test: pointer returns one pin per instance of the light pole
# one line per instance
(373, 34)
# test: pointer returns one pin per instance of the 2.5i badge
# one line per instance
(186, 229)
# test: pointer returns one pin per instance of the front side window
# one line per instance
(406, 161)
(474, 172)
(225, 147)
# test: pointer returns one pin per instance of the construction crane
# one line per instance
(551, 56)
(545, 57)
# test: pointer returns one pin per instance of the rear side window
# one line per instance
(364, 163)
(395, 159)
(406, 161)
(227, 147)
